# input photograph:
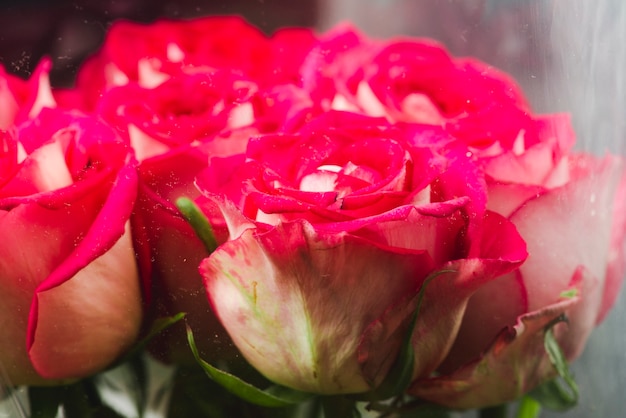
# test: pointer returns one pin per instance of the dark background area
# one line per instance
(69, 30)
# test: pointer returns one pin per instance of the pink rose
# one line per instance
(151, 54)
(174, 128)
(554, 199)
(215, 111)
(69, 289)
(182, 110)
(333, 232)
(559, 260)
(416, 80)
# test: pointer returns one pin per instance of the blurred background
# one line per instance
(569, 56)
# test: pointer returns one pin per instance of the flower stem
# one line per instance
(499, 411)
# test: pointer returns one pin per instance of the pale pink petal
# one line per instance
(515, 364)
(568, 227)
(282, 295)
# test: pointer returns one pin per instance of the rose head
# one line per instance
(151, 54)
(333, 231)
(416, 80)
(182, 110)
(174, 128)
(553, 198)
(70, 294)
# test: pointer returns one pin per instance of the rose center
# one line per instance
(341, 179)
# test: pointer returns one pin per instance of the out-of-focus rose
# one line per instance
(183, 110)
(416, 80)
(333, 232)
(151, 54)
(70, 295)
(570, 210)
(169, 252)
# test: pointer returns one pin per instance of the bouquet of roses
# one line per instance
(301, 224)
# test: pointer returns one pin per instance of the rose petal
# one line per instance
(515, 363)
(308, 340)
(91, 319)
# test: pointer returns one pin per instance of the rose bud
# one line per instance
(70, 295)
(333, 233)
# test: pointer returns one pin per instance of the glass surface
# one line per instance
(569, 56)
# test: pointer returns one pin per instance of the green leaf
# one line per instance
(44, 401)
(528, 408)
(561, 393)
(275, 396)
(200, 224)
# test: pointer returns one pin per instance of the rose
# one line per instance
(151, 54)
(416, 80)
(69, 291)
(334, 231)
(190, 109)
(174, 129)
(216, 110)
(544, 191)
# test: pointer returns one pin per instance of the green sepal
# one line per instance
(551, 395)
(199, 223)
(528, 408)
(275, 396)
(559, 394)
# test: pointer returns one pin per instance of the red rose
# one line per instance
(183, 110)
(342, 222)
(151, 54)
(69, 289)
(416, 80)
